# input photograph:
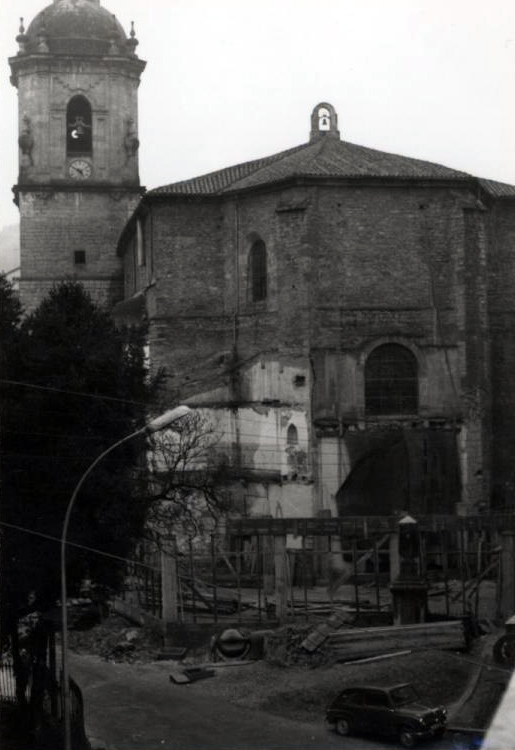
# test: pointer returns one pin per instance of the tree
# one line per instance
(77, 384)
(10, 317)
(82, 384)
(187, 482)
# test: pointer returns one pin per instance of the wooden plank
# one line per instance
(179, 677)
(351, 638)
(363, 642)
(369, 524)
(281, 591)
(350, 570)
(426, 626)
(429, 631)
(322, 631)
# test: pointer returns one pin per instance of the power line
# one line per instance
(71, 393)
(459, 657)
(74, 544)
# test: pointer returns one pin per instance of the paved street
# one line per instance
(133, 707)
(136, 707)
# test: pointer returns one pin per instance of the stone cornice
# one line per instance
(49, 63)
(49, 189)
(84, 276)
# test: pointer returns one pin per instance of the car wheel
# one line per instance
(407, 737)
(504, 651)
(342, 726)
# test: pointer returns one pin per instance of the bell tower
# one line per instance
(77, 75)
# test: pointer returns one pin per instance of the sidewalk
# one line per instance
(481, 694)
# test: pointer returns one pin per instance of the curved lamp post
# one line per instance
(159, 423)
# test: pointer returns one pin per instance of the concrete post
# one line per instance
(507, 603)
(268, 564)
(169, 581)
(322, 545)
(281, 589)
(395, 560)
(409, 589)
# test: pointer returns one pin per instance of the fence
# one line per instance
(260, 578)
(7, 680)
(30, 681)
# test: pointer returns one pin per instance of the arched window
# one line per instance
(292, 436)
(391, 381)
(140, 244)
(324, 119)
(79, 126)
(258, 273)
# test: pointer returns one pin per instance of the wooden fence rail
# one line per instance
(263, 578)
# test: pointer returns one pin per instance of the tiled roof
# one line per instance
(498, 189)
(324, 157)
(217, 182)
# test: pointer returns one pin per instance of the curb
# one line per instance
(97, 743)
(456, 707)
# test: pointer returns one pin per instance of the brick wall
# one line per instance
(44, 90)
(54, 225)
(58, 215)
(348, 268)
(501, 303)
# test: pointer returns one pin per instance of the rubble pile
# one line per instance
(284, 648)
(115, 639)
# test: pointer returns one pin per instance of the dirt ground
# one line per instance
(302, 692)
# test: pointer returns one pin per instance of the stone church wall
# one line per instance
(191, 331)
(348, 268)
(56, 225)
(501, 301)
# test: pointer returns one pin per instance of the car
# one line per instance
(394, 711)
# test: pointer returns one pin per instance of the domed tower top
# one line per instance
(76, 28)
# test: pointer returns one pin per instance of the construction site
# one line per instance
(377, 569)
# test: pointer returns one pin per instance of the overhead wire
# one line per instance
(74, 544)
(256, 436)
(99, 396)
(132, 561)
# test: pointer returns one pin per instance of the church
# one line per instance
(345, 316)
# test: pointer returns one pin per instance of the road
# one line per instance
(136, 707)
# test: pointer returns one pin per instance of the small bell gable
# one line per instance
(324, 122)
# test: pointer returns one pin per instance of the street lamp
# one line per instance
(159, 423)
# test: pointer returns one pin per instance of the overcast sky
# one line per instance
(232, 80)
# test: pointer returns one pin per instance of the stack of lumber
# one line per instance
(360, 643)
(322, 631)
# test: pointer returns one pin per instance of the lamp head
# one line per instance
(166, 419)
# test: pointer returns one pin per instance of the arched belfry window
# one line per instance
(324, 119)
(258, 271)
(391, 381)
(292, 436)
(78, 126)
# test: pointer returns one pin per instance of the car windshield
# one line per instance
(404, 694)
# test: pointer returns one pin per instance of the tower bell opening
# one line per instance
(79, 126)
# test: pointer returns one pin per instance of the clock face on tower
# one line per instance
(79, 169)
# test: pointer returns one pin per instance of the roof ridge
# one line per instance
(281, 156)
(319, 158)
(242, 169)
